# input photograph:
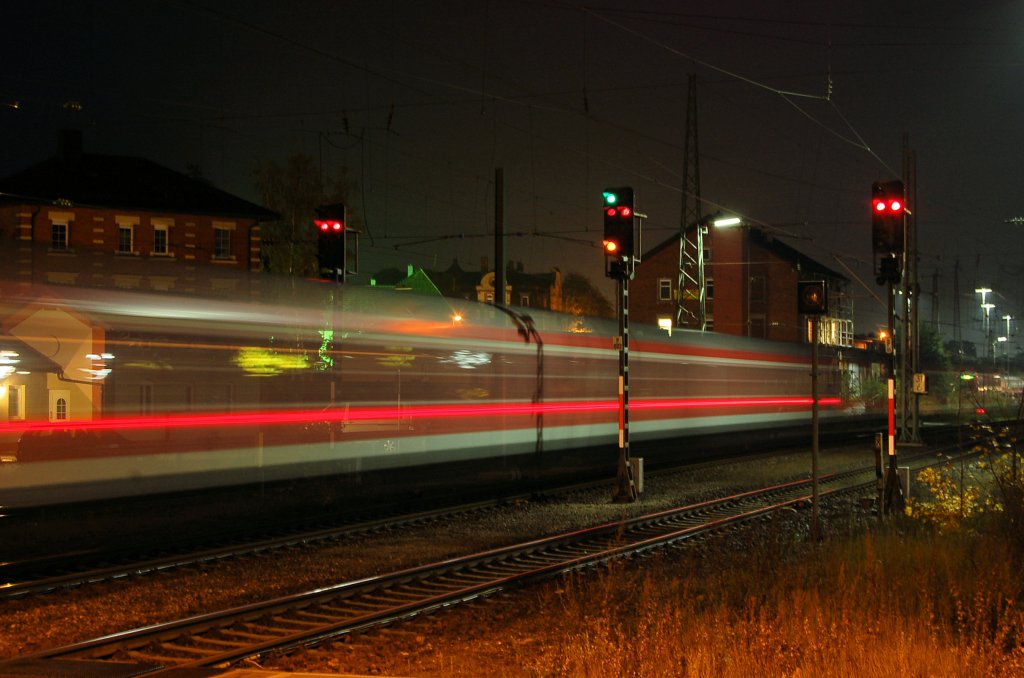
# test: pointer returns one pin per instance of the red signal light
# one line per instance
(879, 205)
(328, 225)
(610, 211)
(896, 206)
(625, 211)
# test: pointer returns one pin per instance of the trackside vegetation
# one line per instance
(938, 592)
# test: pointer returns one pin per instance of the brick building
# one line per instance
(751, 283)
(87, 219)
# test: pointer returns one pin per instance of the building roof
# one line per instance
(801, 261)
(125, 182)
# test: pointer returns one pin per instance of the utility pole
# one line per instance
(909, 354)
(691, 283)
(888, 231)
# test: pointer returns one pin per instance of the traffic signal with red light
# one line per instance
(887, 223)
(330, 245)
(619, 219)
(812, 297)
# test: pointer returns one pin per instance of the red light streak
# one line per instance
(283, 417)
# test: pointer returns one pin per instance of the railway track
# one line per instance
(18, 580)
(227, 636)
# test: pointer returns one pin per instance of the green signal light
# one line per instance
(610, 198)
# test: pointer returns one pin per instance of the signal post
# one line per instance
(887, 242)
(619, 226)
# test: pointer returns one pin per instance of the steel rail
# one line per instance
(230, 635)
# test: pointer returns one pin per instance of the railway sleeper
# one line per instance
(246, 635)
(190, 650)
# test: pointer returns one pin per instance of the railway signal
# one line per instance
(887, 210)
(812, 297)
(619, 220)
(330, 244)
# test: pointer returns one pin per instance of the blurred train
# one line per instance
(118, 394)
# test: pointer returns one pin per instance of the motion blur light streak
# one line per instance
(411, 412)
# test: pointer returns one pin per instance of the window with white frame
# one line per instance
(161, 237)
(221, 243)
(125, 238)
(59, 236)
(664, 289)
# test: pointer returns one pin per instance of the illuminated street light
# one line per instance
(725, 222)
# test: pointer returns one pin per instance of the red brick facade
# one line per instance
(751, 285)
(133, 249)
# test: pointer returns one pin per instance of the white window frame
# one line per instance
(227, 228)
(121, 229)
(162, 226)
(664, 285)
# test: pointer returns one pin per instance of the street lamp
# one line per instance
(725, 222)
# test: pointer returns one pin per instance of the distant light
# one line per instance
(879, 205)
(895, 206)
(727, 221)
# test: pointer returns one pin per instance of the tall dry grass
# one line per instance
(885, 604)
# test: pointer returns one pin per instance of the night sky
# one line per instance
(802, 105)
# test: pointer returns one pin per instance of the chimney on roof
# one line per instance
(69, 145)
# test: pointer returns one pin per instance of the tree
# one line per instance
(294, 190)
(582, 298)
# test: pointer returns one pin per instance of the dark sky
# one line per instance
(422, 100)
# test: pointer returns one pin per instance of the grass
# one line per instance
(881, 604)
